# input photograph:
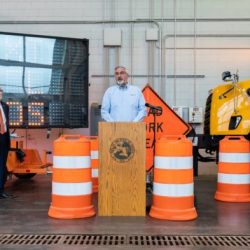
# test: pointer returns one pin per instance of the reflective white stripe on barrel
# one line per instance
(94, 154)
(234, 178)
(234, 157)
(94, 173)
(164, 162)
(71, 189)
(71, 162)
(175, 190)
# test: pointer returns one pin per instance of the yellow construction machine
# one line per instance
(227, 111)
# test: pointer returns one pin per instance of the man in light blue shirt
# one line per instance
(123, 102)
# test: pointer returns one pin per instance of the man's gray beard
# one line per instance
(121, 83)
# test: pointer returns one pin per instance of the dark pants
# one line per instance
(4, 148)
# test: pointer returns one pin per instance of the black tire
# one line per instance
(25, 176)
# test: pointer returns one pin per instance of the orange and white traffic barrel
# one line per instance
(71, 180)
(94, 162)
(233, 184)
(173, 187)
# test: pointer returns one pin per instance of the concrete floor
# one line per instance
(27, 213)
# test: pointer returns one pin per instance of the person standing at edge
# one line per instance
(123, 102)
(4, 144)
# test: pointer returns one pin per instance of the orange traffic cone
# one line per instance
(173, 197)
(234, 170)
(71, 182)
(94, 163)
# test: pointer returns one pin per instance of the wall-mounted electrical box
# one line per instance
(151, 34)
(112, 37)
(195, 115)
(182, 112)
(177, 110)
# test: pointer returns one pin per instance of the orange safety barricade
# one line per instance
(71, 181)
(173, 188)
(233, 183)
(94, 163)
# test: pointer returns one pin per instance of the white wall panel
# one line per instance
(222, 8)
(226, 53)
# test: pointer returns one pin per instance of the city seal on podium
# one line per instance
(122, 149)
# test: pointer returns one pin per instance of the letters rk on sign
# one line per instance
(167, 123)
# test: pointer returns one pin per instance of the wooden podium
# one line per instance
(122, 174)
